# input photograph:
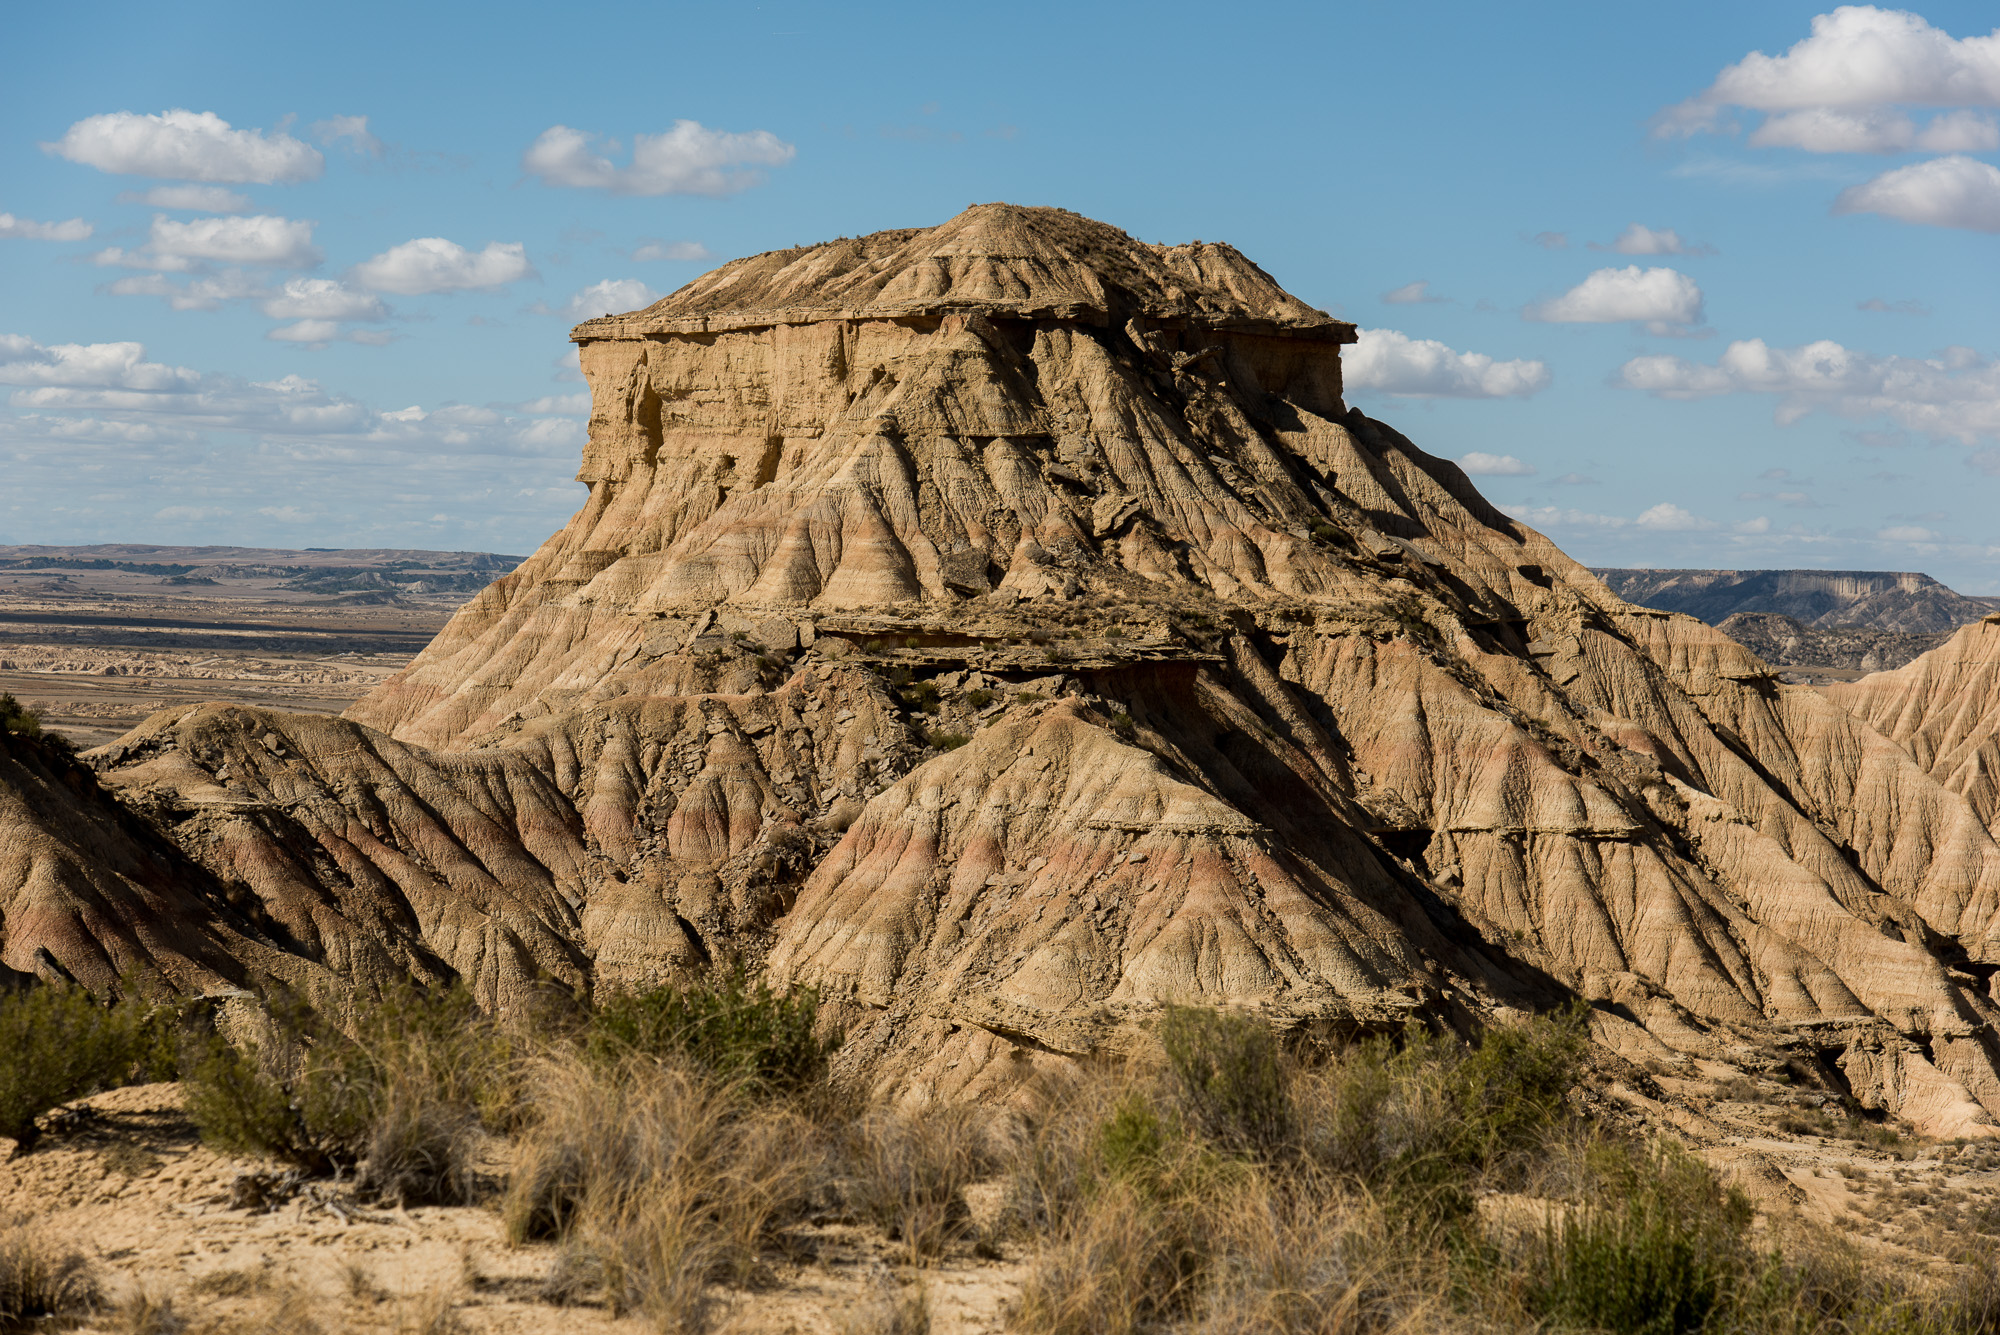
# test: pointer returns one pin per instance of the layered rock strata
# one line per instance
(1007, 628)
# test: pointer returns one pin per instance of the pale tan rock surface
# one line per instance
(1944, 709)
(1265, 706)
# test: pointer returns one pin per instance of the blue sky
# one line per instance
(268, 278)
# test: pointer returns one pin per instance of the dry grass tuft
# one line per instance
(657, 1180)
(907, 1174)
(42, 1279)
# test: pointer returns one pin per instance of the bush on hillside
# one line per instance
(402, 1098)
(57, 1043)
(730, 1025)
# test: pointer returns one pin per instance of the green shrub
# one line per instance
(402, 1098)
(729, 1025)
(1663, 1250)
(1228, 1078)
(60, 1043)
(979, 698)
(17, 717)
(945, 741)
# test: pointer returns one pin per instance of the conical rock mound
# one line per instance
(1007, 628)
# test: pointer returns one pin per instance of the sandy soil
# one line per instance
(130, 1184)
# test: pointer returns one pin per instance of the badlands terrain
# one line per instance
(1007, 630)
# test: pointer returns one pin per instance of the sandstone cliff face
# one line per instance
(1006, 628)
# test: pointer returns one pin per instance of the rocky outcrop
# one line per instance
(1783, 642)
(1944, 709)
(1006, 628)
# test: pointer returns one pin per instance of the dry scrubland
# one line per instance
(681, 1160)
(98, 638)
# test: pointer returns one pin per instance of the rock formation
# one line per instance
(1902, 602)
(1784, 642)
(1006, 628)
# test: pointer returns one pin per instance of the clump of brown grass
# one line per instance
(42, 1278)
(907, 1173)
(657, 1180)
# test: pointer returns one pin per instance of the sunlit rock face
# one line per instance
(1007, 629)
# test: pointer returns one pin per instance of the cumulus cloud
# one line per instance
(187, 146)
(1955, 395)
(1552, 240)
(1912, 533)
(689, 159)
(652, 248)
(1664, 300)
(1480, 464)
(120, 366)
(1944, 192)
(1858, 57)
(27, 229)
(1393, 363)
(571, 404)
(323, 299)
(182, 247)
(1411, 294)
(206, 292)
(1665, 517)
(190, 198)
(1639, 239)
(613, 296)
(352, 130)
(1876, 130)
(433, 264)
(1752, 527)
(319, 333)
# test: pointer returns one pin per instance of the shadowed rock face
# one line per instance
(1007, 629)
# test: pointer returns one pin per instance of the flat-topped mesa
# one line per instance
(1017, 403)
(998, 260)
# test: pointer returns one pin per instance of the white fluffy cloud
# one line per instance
(1876, 130)
(204, 292)
(323, 299)
(1954, 395)
(1857, 57)
(182, 247)
(1665, 517)
(1661, 299)
(190, 198)
(187, 146)
(27, 229)
(689, 159)
(1481, 464)
(1393, 363)
(319, 333)
(613, 296)
(1639, 239)
(1911, 533)
(433, 264)
(120, 366)
(350, 129)
(652, 248)
(1410, 294)
(1944, 192)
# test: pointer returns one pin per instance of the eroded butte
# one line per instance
(1006, 628)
